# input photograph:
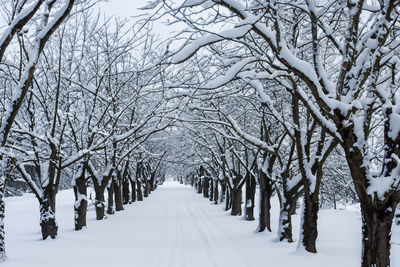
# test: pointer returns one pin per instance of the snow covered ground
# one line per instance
(175, 227)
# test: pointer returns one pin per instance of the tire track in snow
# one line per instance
(204, 239)
(220, 236)
(188, 235)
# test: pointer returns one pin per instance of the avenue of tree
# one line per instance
(294, 99)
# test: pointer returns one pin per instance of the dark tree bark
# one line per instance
(133, 190)
(236, 196)
(376, 231)
(216, 192)
(223, 191)
(2, 233)
(80, 207)
(236, 202)
(206, 184)
(99, 203)
(153, 181)
(47, 219)
(377, 214)
(118, 192)
(227, 198)
(265, 203)
(250, 193)
(125, 191)
(285, 231)
(139, 191)
(310, 217)
(110, 191)
(199, 186)
(99, 189)
(146, 189)
(211, 190)
(288, 201)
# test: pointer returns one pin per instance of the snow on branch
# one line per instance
(249, 138)
(230, 74)
(190, 49)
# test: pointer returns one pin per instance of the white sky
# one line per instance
(129, 9)
(122, 8)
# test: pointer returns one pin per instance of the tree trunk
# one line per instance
(223, 189)
(309, 224)
(236, 199)
(99, 203)
(146, 191)
(206, 184)
(3, 255)
(265, 203)
(288, 208)
(80, 206)
(250, 192)
(110, 191)
(152, 181)
(216, 193)
(47, 219)
(199, 186)
(376, 231)
(139, 191)
(211, 191)
(133, 189)
(397, 216)
(125, 191)
(227, 198)
(118, 195)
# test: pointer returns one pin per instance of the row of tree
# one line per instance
(297, 98)
(326, 75)
(82, 105)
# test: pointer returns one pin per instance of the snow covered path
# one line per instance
(174, 227)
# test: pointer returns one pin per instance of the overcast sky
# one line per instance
(123, 8)
(130, 8)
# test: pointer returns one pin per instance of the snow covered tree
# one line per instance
(22, 17)
(351, 100)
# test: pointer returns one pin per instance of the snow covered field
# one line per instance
(175, 227)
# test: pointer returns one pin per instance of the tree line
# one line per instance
(298, 99)
(82, 105)
(326, 77)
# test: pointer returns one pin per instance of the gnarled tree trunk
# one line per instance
(250, 193)
(199, 186)
(211, 190)
(2, 233)
(125, 191)
(133, 189)
(139, 191)
(206, 184)
(80, 206)
(216, 192)
(227, 198)
(376, 233)
(48, 222)
(110, 202)
(236, 202)
(99, 203)
(265, 203)
(118, 192)
(309, 224)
